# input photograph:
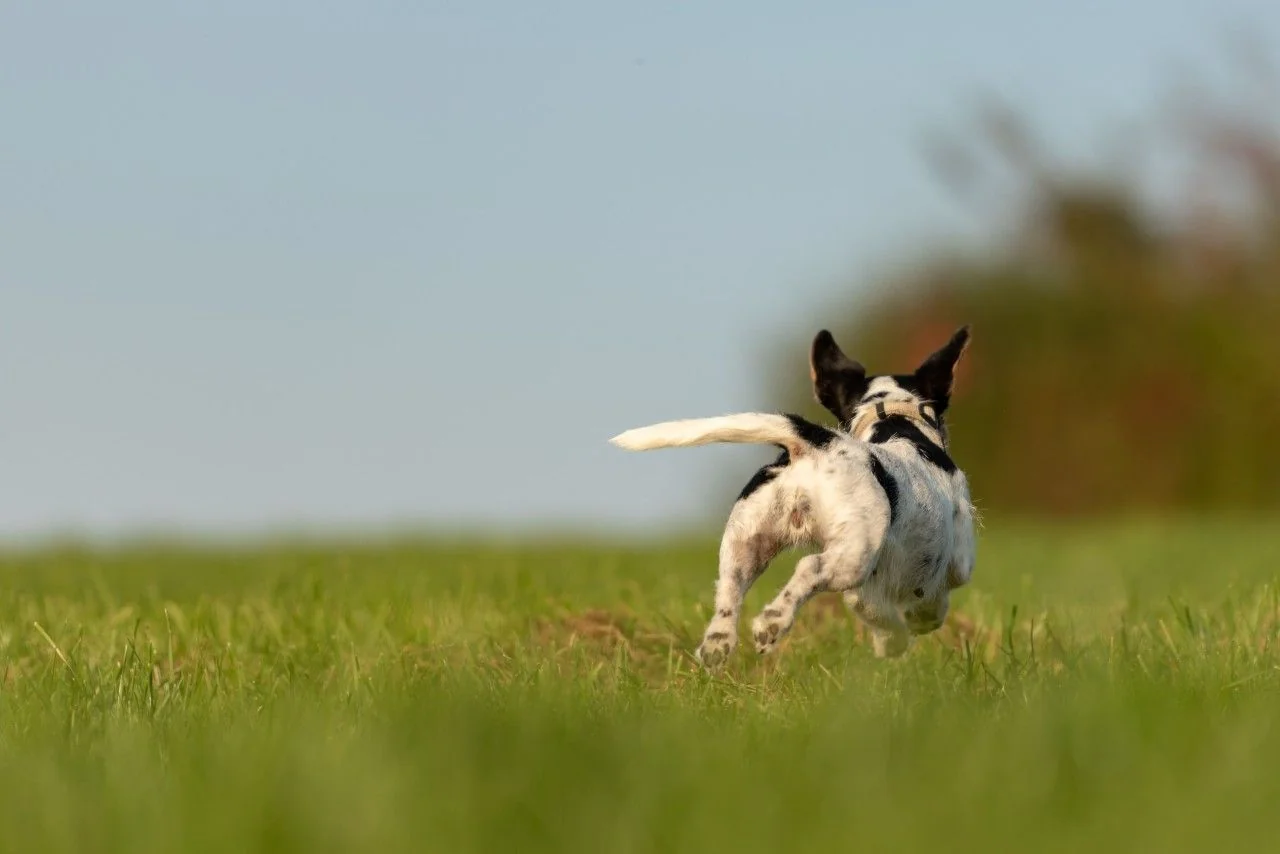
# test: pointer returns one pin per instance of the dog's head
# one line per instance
(843, 387)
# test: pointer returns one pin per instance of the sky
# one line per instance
(317, 265)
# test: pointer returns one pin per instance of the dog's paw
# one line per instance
(767, 629)
(715, 649)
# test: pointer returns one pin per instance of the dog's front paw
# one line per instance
(715, 649)
(767, 629)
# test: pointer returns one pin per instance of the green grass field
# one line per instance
(1102, 688)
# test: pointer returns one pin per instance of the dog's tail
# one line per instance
(791, 432)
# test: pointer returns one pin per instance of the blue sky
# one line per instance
(319, 264)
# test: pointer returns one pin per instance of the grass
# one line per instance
(1113, 687)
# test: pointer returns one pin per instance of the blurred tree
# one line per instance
(1121, 361)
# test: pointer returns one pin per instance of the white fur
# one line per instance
(896, 578)
(750, 428)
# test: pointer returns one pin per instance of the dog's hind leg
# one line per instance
(840, 567)
(743, 558)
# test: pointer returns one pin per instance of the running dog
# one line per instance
(880, 498)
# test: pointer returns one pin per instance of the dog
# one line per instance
(880, 498)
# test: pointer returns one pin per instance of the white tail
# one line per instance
(751, 428)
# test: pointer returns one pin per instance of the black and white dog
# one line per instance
(881, 498)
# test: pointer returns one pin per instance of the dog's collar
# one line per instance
(922, 413)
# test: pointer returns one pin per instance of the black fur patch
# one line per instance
(765, 474)
(814, 435)
(888, 484)
(912, 383)
(898, 427)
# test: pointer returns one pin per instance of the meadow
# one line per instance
(1110, 686)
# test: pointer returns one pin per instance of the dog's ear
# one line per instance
(838, 381)
(936, 374)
